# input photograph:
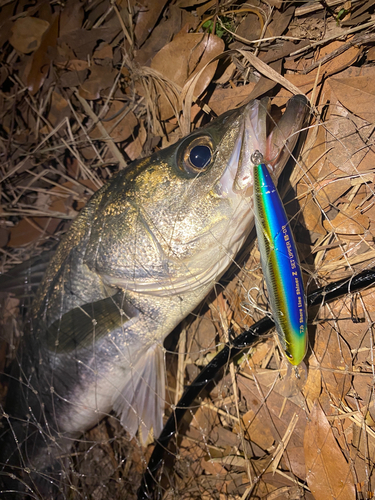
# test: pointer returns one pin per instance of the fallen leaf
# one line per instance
(345, 147)
(312, 215)
(280, 21)
(204, 8)
(72, 16)
(371, 54)
(83, 41)
(134, 150)
(224, 99)
(163, 34)
(4, 236)
(148, 14)
(250, 28)
(328, 191)
(31, 229)
(182, 58)
(189, 3)
(328, 473)
(357, 95)
(27, 34)
(256, 430)
(265, 84)
(227, 75)
(313, 385)
(103, 51)
(211, 467)
(118, 128)
(41, 58)
(333, 356)
(101, 77)
(348, 222)
(59, 109)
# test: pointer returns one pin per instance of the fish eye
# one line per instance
(197, 155)
(200, 156)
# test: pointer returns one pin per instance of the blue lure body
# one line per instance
(280, 264)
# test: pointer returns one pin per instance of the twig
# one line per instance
(314, 6)
(367, 37)
(333, 37)
(111, 145)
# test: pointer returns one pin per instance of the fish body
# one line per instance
(280, 264)
(142, 254)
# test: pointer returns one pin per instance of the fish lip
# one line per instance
(238, 176)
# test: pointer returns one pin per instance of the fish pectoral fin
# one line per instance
(140, 405)
(82, 326)
(23, 280)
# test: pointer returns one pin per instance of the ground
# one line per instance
(88, 87)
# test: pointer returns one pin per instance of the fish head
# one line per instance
(177, 218)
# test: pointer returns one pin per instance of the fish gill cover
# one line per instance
(88, 88)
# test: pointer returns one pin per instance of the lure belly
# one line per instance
(280, 264)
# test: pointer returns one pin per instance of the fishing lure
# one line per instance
(280, 264)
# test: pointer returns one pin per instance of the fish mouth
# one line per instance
(252, 136)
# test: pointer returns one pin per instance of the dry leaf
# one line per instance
(72, 17)
(101, 77)
(313, 385)
(333, 356)
(224, 99)
(182, 58)
(204, 8)
(103, 51)
(41, 59)
(189, 3)
(346, 147)
(312, 215)
(4, 236)
(348, 222)
(59, 110)
(339, 62)
(250, 28)
(118, 128)
(134, 150)
(256, 430)
(27, 34)
(83, 41)
(328, 473)
(211, 467)
(149, 12)
(357, 95)
(330, 190)
(163, 33)
(31, 229)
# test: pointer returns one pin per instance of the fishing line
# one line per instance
(246, 339)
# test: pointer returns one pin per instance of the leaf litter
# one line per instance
(88, 87)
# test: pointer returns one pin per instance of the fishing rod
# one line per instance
(245, 340)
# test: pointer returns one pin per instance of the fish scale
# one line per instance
(142, 254)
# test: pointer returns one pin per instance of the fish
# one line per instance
(280, 264)
(141, 255)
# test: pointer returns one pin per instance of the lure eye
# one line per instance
(287, 353)
(200, 157)
(197, 155)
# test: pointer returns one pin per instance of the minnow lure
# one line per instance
(280, 264)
